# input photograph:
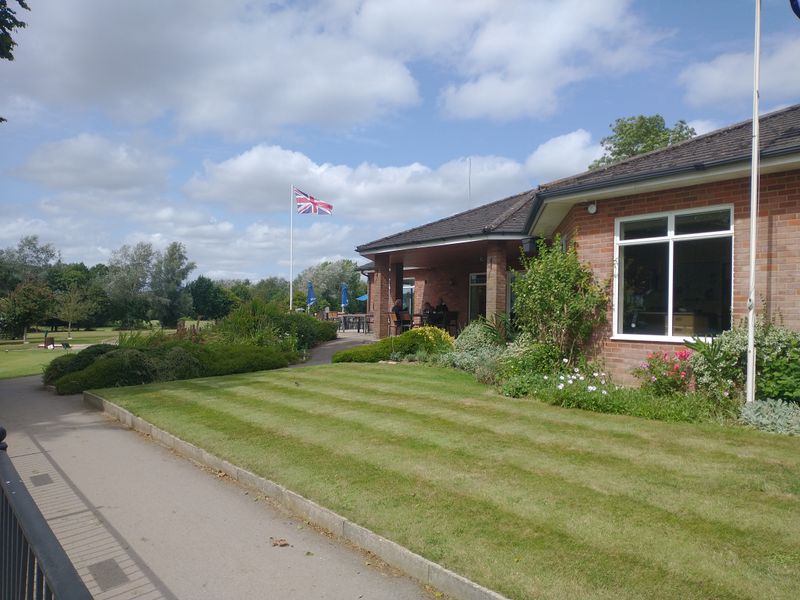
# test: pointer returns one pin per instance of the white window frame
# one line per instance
(671, 238)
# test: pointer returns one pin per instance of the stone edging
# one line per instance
(421, 569)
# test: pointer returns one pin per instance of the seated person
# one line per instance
(427, 313)
(401, 312)
(441, 307)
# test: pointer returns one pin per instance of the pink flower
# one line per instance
(653, 378)
(683, 374)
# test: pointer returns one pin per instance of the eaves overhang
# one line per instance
(551, 206)
(369, 252)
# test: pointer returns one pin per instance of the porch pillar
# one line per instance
(397, 281)
(496, 276)
(380, 297)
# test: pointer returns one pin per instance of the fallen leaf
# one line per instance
(281, 542)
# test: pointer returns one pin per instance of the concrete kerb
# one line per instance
(414, 565)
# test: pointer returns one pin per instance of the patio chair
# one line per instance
(65, 346)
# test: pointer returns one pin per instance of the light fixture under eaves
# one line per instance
(592, 208)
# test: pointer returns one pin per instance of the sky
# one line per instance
(190, 120)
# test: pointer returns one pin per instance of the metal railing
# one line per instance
(33, 565)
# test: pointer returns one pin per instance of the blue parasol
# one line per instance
(345, 296)
(311, 298)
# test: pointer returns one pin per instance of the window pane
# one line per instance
(643, 289)
(702, 283)
(703, 222)
(636, 230)
(477, 279)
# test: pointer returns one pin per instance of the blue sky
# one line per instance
(189, 120)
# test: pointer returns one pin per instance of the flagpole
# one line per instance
(754, 185)
(291, 247)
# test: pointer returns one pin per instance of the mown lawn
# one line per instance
(531, 500)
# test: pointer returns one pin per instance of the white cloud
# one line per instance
(562, 156)
(527, 52)
(702, 126)
(236, 68)
(245, 69)
(260, 179)
(93, 162)
(727, 79)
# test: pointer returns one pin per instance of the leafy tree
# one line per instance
(8, 23)
(272, 289)
(72, 306)
(170, 298)
(558, 302)
(28, 304)
(209, 299)
(640, 134)
(62, 276)
(241, 289)
(127, 282)
(328, 278)
(30, 260)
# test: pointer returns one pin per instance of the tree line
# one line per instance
(140, 284)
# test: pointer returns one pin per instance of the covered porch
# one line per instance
(470, 277)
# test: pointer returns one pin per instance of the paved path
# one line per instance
(141, 522)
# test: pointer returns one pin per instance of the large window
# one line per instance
(477, 295)
(674, 274)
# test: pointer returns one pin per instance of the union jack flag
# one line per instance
(308, 205)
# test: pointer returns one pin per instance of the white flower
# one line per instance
(564, 360)
(594, 374)
(604, 392)
(603, 381)
(576, 369)
(581, 378)
(561, 386)
(591, 388)
(546, 378)
(561, 377)
(570, 382)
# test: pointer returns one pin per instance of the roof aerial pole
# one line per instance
(754, 185)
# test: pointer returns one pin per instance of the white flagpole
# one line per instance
(754, 184)
(291, 247)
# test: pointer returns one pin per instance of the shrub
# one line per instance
(430, 340)
(175, 362)
(663, 374)
(482, 362)
(476, 335)
(772, 415)
(722, 364)
(58, 368)
(118, 368)
(219, 359)
(525, 356)
(558, 302)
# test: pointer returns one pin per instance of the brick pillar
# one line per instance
(397, 281)
(495, 279)
(380, 296)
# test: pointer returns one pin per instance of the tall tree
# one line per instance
(171, 299)
(328, 277)
(637, 135)
(209, 299)
(30, 260)
(127, 282)
(272, 289)
(30, 303)
(8, 23)
(72, 305)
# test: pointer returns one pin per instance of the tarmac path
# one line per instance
(141, 522)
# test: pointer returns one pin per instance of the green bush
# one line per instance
(482, 362)
(525, 356)
(175, 362)
(58, 367)
(114, 369)
(258, 323)
(429, 340)
(218, 359)
(664, 374)
(772, 415)
(558, 302)
(476, 335)
(722, 363)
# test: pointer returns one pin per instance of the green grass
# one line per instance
(532, 500)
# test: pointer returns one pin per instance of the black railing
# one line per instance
(33, 565)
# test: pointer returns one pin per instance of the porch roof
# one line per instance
(502, 219)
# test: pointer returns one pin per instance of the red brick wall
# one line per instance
(777, 261)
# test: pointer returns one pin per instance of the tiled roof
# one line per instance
(779, 133)
(507, 216)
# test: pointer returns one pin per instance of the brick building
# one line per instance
(669, 231)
